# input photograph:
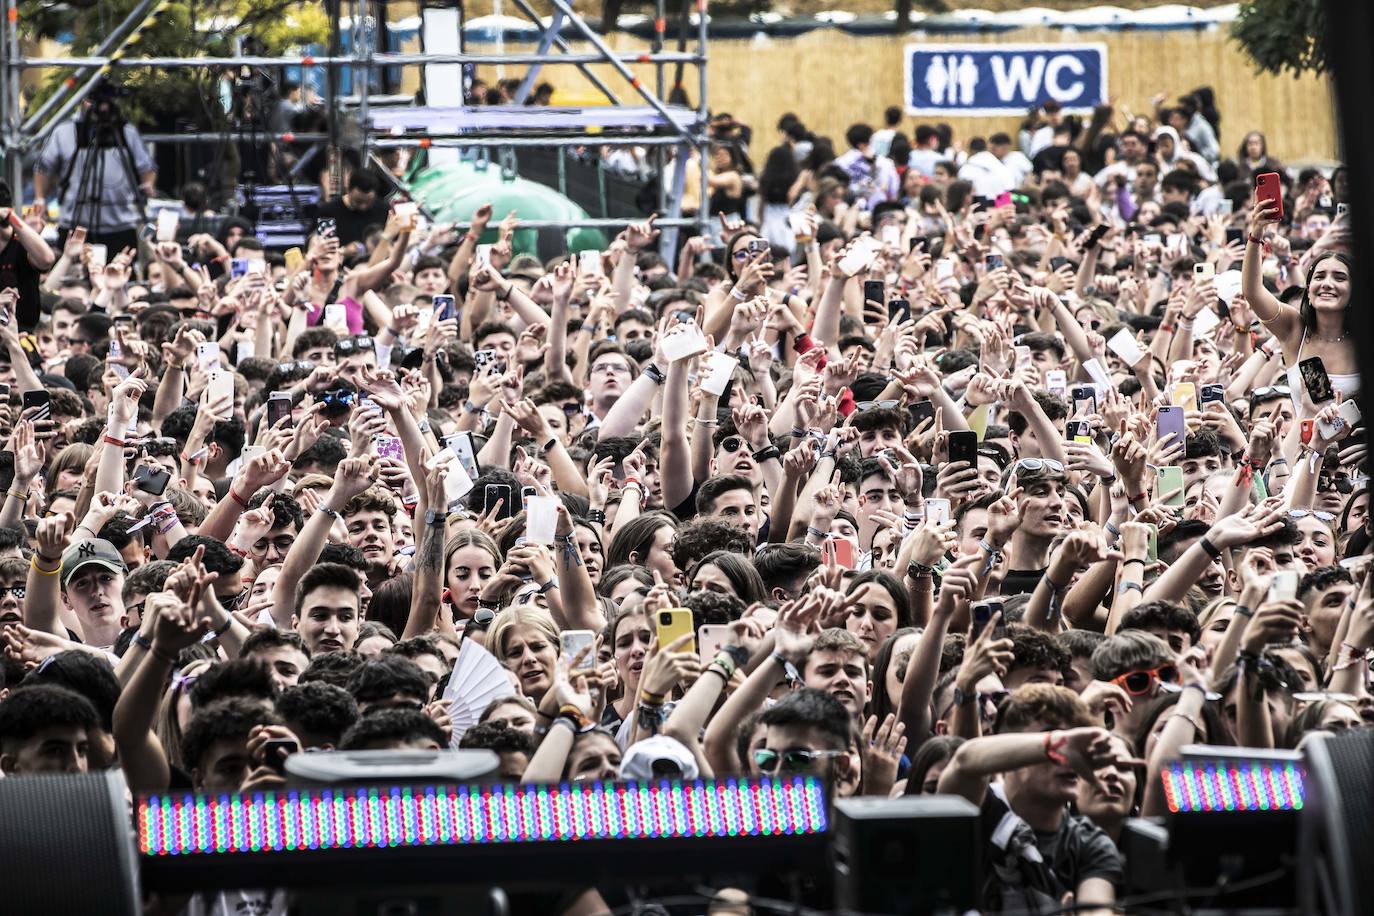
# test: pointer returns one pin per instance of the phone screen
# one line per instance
(1315, 379)
(279, 408)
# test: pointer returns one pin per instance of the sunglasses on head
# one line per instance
(480, 620)
(1270, 391)
(885, 404)
(1137, 683)
(795, 760)
(1303, 513)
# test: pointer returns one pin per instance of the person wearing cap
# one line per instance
(659, 757)
(92, 579)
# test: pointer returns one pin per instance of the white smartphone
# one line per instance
(1124, 345)
(720, 367)
(937, 510)
(571, 642)
(336, 316)
(1284, 586)
(1349, 414)
(944, 269)
(249, 452)
(483, 254)
(1204, 270)
(207, 355)
(457, 484)
(99, 255)
(167, 221)
(460, 444)
(1056, 380)
(589, 262)
(541, 519)
(220, 387)
(682, 344)
(891, 235)
(711, 638)
(1204, 323)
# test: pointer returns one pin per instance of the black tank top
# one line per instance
(16, 272)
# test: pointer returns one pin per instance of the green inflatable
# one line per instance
(452, 191)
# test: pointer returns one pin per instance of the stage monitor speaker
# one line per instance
(915, 854)
(66, 846)
(1336, 833)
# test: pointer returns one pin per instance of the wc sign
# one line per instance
(993, 79)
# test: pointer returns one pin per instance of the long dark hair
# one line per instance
(1306, 312)
(881, 704)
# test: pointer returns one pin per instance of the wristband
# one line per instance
(734, 291)
(1134, 560)
(111, 440)
(549, 586)
(767, 453)
(1128, 586)
(143, 642)
(167, 657)
(1167, 328)
(1055, 585)
(1135, 499)
(33, 563)
(814, 532)
(596, 516)
(22, 497)
(655, 373)
(338, 516)
(1212, 550)
(1253, 239)
(550, 445)
(237, 498)
(1053, 742)
(1244, 611)
(224, 627)
(503, 297)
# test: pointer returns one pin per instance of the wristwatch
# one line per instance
(964, 699)
(738, 653)
(435, 517)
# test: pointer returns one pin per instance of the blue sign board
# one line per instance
(993, 79)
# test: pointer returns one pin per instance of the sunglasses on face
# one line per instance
(14, 591)
(732, 444)
(796, 760)
(1138, 683)
(353, 345)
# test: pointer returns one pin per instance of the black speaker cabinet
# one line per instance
(915, 854)
(67, 846)
(1336, 827)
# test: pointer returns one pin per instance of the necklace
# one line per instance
(1330, 339)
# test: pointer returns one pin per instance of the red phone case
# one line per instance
(1305, 430)
(1268, 187)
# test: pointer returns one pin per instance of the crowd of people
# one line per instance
(1002, 469)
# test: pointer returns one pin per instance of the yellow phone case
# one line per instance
(673, 623)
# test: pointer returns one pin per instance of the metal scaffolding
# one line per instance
(655, 124)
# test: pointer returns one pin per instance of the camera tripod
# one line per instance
(99, 137)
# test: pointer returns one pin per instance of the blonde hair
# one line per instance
(521, 615)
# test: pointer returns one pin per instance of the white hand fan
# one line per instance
(477, 679)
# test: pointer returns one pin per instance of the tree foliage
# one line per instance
(1283, 35)
(182, 29)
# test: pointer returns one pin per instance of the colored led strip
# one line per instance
(1209, 785)
(443, 815)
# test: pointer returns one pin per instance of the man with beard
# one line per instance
(368, 518)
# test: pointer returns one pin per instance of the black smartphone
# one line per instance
(983, 612)
(899, 309)
(502, 491)
(1058, 261)
(963, 446)
(874, 291)
(1213, 393)
(920, 412)
(40, 402)
(275, 752)
(728, 394)
(326, 227)
(1315, 379)
(151, 481)
(4, 392)
(1235, 235)
(1084, 399)
(1095, 235)
(279, 407)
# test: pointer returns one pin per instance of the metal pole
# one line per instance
(613, 59)
(334, 161)
(135, 17)
(545, 41)
(589, 223)
(658, 157)
(368, 35)
(389, 59)
(15, 163)
(703, 119)
(566, 48)
(497, 142)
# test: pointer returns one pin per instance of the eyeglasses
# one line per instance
(607, 368)
(358, 344)
(14, 591)
(885, 404)
(732, 444)
(796, 760)
(1138, 683)
(1303, 513)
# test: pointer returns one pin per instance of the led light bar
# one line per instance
(372, 817)
(1201, 785)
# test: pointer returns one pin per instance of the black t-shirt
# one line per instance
(351, 225)
(1030, 871)
(17, 273)
(1021, 581)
